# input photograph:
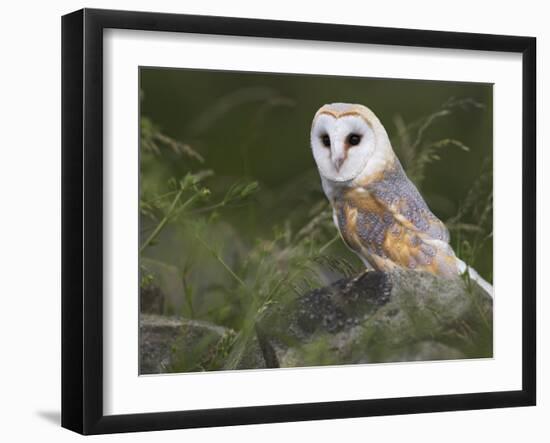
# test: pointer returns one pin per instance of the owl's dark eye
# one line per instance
(354, 139)
(325, 139)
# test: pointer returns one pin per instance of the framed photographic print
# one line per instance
(270, 221)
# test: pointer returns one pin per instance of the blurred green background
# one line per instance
(252, 208)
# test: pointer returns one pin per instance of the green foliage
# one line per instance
(267, 271)
(472, 226)
(152, 140)
(411, 143)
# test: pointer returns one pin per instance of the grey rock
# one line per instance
(170, 344)
(372, 318)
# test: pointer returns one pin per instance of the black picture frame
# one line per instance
(82, 219)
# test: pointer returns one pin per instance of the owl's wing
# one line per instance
(400, 230)
(398, 195)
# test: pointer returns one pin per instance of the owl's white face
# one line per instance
(341, 144)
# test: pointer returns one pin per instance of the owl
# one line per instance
(378, 211)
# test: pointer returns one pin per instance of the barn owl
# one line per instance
(378, 211)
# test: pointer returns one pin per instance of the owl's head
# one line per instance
(348, 141)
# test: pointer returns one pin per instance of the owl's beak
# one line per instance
(338, 161)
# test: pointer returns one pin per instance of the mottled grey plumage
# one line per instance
(396, 189)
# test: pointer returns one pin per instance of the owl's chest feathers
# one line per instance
(363, 221)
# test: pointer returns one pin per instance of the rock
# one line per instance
(249, 354)
(170, 344)
(372, 318)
